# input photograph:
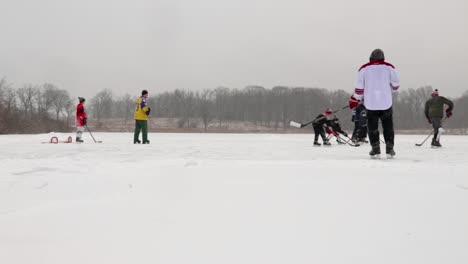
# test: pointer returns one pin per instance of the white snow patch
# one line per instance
(231, 198)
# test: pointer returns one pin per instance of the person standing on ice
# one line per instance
(141, 119)
(375, 83)
(434, 111)
(81, 119)
(320, 124)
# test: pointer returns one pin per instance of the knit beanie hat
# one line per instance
(377, 55)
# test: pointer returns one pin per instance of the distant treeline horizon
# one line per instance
(45, 108)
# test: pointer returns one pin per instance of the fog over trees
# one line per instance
(45, 108)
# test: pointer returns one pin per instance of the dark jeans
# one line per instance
(141, 125)
(360, 130)
(436, 124)
(318, 130)
(386, 116)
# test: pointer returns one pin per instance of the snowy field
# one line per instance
(231, 198)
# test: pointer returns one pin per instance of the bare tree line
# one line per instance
(44, 108)
(34, 108)
(277, 106)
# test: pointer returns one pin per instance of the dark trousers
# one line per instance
(141, 125)
(386, 116)
(436, 124)
(360, 130)
(319, 131)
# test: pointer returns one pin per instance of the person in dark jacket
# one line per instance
(321, 124)
(434, 112)
(335, 130)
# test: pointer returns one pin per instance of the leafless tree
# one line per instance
(101, 105)
(205, 106)
(124, 107)
(60, 102)
(221, 95)
(26, 96)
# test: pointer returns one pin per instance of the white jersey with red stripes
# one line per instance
(375, 83)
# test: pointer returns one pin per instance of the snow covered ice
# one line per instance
(231, 198)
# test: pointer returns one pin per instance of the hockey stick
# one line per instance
(428, 136)
(432, 132)
(95, 141)
(299, 125)
(349, 143)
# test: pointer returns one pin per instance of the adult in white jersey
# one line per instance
(375, 83)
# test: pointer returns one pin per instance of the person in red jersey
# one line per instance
(81, 119)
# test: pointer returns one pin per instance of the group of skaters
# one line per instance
(370, 102)
(327, 126)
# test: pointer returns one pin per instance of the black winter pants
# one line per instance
(386, 116)
(318, 130)
(436, 124)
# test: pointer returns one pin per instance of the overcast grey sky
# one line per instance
(160, 45)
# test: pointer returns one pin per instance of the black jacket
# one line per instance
(435, 106)
(335, 125)
(321, 121)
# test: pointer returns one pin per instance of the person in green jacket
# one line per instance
(141, 119)
(434, 111)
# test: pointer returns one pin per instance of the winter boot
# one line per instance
(389, 150)
(316, 144)
(375, 152)
(326, 143)
(137, 142)
(146, 142)
(435, 143)
(79, 140)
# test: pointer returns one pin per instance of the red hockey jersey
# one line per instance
(80, 115)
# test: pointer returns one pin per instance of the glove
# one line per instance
(429, 121)
(345, 134)
(85, 121)
(353, 102)
(448, 113)
(148, 112)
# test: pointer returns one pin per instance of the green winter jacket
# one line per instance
(435, 106)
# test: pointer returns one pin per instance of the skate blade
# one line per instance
(377, 156)
(390, 156)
